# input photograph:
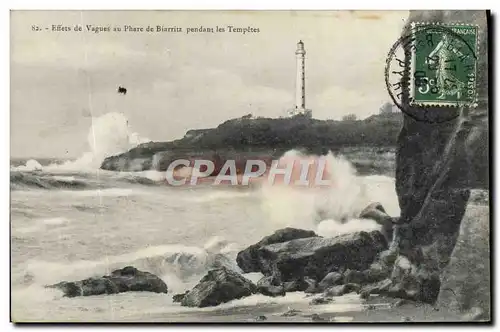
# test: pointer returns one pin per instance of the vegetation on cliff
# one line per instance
(276, 136)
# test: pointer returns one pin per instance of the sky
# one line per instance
(178, 81)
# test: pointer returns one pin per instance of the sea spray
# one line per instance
(31, 165)
(331, 228)
(108, 135)
(332, 209)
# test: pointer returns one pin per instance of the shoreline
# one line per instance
(344, 309)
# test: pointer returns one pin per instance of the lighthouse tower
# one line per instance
(300, 84)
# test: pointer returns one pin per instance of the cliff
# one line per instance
(441, 238)
(261, 137)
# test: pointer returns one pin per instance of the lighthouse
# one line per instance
(300, 83)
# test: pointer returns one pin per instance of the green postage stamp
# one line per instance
(444, 65)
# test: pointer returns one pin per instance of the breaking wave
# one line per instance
(178, 265)
(108, 135)
(333, 209)
(25, 180)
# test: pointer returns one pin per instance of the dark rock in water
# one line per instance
(221, 260)
(378, 271)
(179, 297)
(311, 285)
(407, 281)
(367, 212)
(317, 318)
(291, 313)
(380, 287)
(404, 285)
(353, 276)
(376, 212)
(342, 289)
(321, 300)
(400, 303)
(128, 279)
(413, 282)
(260, 318)
(316, 256)
(294, 286)
(300, 285)
(364, 295)
(364, 277)
(248, 259)
(87, 287)
(131, 279)
(218, 286)
(269, 286)
(331, 279)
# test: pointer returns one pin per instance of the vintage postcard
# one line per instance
(249, 166)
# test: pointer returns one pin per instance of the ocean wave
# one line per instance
(140, 180)
(147, 178)
(25, 180)
(107, 192)
(80, 180)
(178, 265)
(41, 225)
(332, 209)
(220, 195)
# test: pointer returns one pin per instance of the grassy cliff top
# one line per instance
(281, 134)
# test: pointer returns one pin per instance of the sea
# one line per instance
(71, 221)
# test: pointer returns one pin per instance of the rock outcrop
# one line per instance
(331, 279)
(435, 169)
(315, 257)
(376, 212)
(128, 279)
(248, 259)
(269, 286)
(218, 286)
(179, 297)
(466, 281)
(307, 285)
(342, 289)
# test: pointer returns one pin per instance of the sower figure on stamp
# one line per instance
(440, 57)
(436, 149)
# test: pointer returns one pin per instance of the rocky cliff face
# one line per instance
(248, 138)
(433, 164)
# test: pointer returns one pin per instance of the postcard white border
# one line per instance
(185, 4)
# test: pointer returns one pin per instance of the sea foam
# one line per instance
(332, 209)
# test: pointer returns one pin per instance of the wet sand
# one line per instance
(341, 310)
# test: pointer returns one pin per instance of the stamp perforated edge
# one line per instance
(471, 104)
